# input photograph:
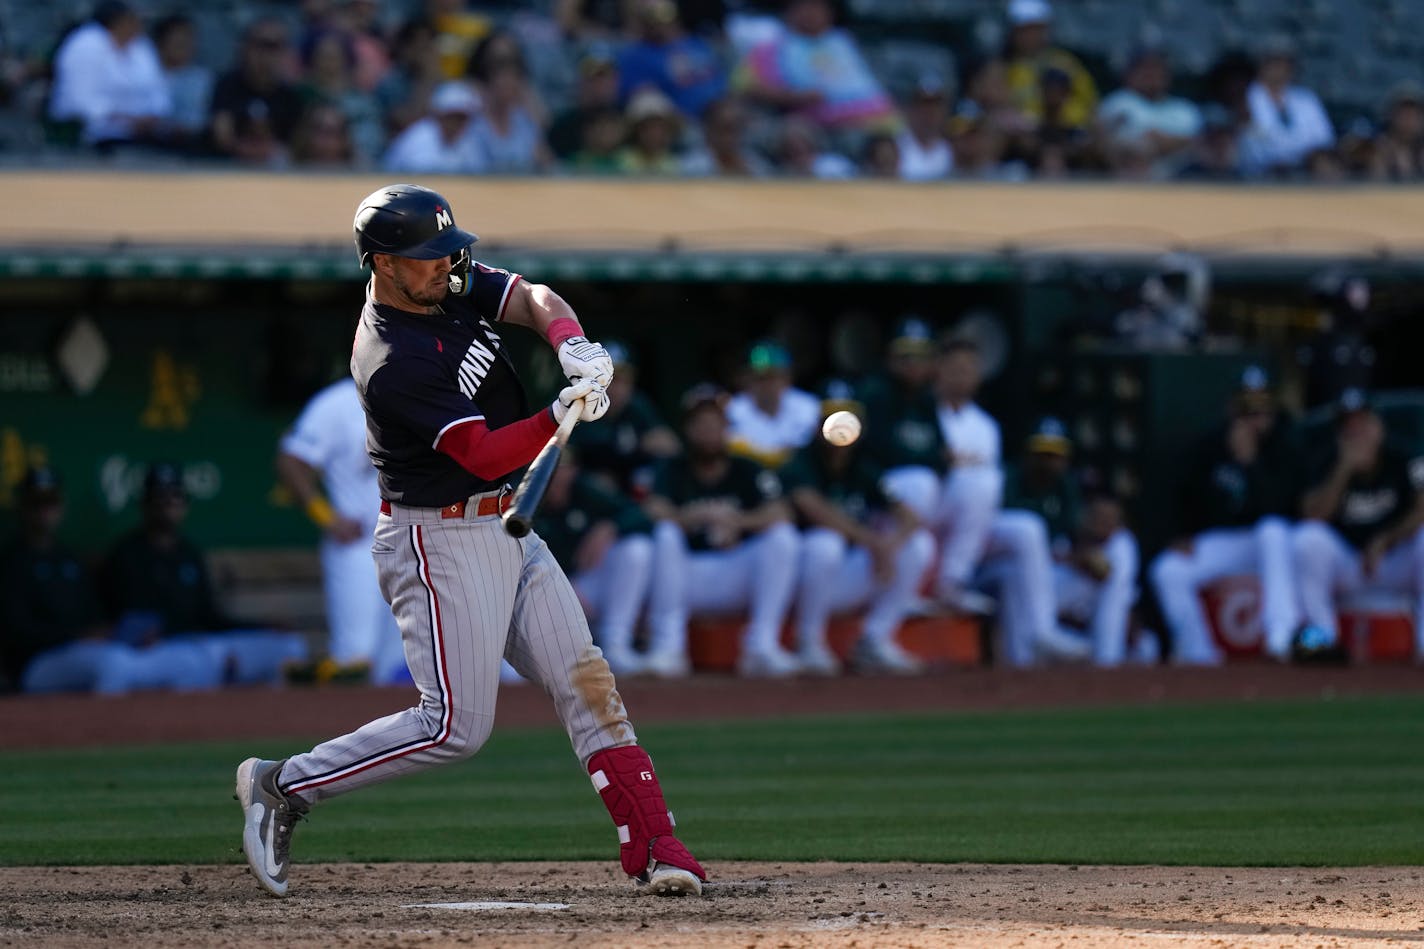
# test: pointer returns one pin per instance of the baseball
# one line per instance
(841, 428)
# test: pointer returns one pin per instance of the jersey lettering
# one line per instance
(474, 367)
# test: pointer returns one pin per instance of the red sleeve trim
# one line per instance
(492, 454)
(508, 292)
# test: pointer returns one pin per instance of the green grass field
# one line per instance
(1281, 783)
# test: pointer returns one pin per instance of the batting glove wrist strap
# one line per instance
(625, 781)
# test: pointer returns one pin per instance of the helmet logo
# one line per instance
(442, 218)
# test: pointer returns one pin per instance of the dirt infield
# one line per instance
(749, 905)
(70, 721)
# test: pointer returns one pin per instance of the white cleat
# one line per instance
(767, 663)
(667, 880)
(818, 661)
(667, 664)
(884, 657)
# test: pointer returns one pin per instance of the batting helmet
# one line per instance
(407, 221)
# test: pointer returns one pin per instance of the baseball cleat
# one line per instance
(667, 664)
(771, 662)
(884, 657)
(818, 661)
(269, 818)
(664, 879)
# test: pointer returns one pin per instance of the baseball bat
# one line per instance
(519, 519)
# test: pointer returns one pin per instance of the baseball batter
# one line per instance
(326, 448)
(446, 423)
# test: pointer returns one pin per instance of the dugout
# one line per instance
(188, 317)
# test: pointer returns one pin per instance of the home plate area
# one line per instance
(770, 905)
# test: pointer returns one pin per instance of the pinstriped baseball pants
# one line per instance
(465, 594)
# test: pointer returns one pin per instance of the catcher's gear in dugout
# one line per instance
(408, 221)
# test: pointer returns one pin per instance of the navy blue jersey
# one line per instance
(420, 374)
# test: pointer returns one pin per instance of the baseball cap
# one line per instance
(1253, 392)
(618, 353)
(912, 337)
(1050, 436)
(838, 395)
(1024, 12)
(930, 85)
(768, 356)
(40, 485)
(163, 478)
(701, 396)
(597, 58)
(1352, 399)
(455, 97)
(649, 103)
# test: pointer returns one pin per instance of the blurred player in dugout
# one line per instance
(323, 462)
(1239, 495)
(860, 549)
(156, 583)
(1095, 555)
(770, 419)
(1364, 533)
(723, 543)
(603, 540)
(626, 444)
(54, 636)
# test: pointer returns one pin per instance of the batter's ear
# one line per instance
(381, 263)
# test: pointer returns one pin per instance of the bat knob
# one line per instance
(514, 525)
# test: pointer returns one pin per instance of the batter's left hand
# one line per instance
(581, 358)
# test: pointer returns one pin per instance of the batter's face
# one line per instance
(414, 285)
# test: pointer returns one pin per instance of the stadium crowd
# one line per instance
(692, 88)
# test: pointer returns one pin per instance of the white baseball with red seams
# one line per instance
(841, 428)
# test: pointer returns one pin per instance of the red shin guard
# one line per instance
(625, 781)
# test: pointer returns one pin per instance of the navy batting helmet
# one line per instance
(407, 221)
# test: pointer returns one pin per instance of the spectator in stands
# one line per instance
(323, 139)
(770, 419)
(925, 152)
(360, 20)
(628, 441)
(190, 85)
(1287, 121)
(601, 149)
(108, 80)
(458, 33)
(653, 132)
(328, 63)
(156, 575)
(1216, 153)
(1399, 151)
(724, 152)
(442, 142)
(665, 57)
(602, 539)
(323, 462)
(255, 108)
(597, 93)
(1096, 557)
(880, 157)
(1238, 494)
(981, 149)
(592, 20)
(810, 67)
(1030, 52)
(860, 549)
(53, 636)
(1365, 531)
(1143, 123)
(1061, 144)
(987, 95)
(1340, 355)
(509, 129)
(800, 153)
(406, 90)
(723, 541)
